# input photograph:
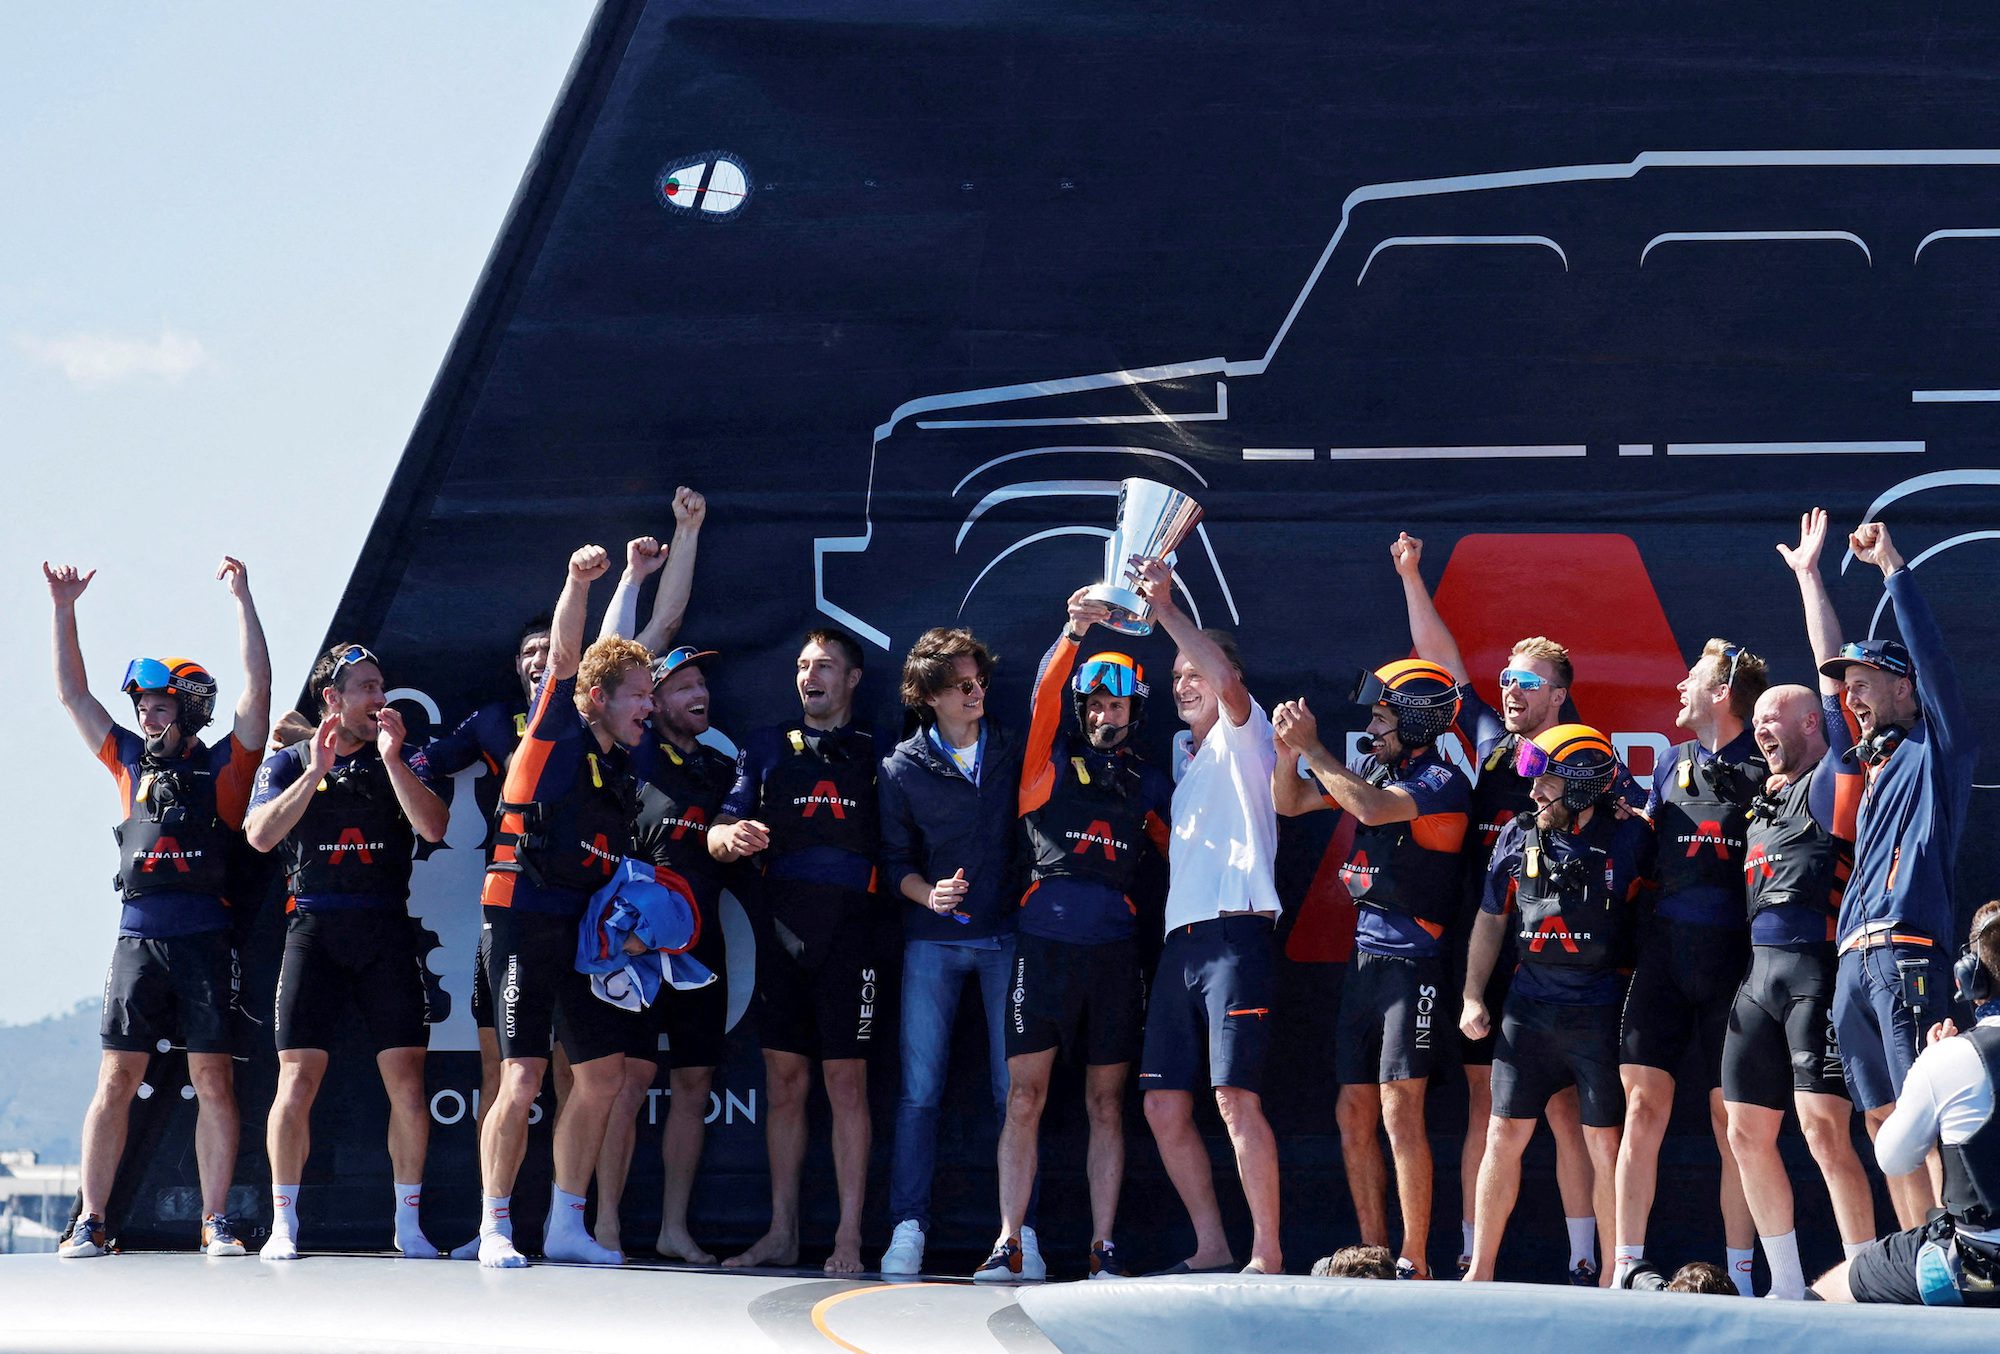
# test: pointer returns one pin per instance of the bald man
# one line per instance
(1781, 1048)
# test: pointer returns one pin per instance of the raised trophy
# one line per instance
(1152, 522)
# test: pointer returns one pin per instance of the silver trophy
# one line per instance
(1152, 522)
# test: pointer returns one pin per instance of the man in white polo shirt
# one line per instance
(1217, 978)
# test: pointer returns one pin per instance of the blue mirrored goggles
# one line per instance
(1117, 679)
(1521, 677)
(147, 674)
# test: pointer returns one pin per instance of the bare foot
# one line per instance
(1264, 1265)
(609, 1237)
(678, 1245)
(778, 1250)
(846, 1257)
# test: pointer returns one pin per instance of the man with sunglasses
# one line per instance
(1918, 749)
(1409, 808)
(173, 973)
(682, 782)
(950, 794)
(1088, 804)
(1695, 947)
(1534, 697)
(347, 805)
(805, 802)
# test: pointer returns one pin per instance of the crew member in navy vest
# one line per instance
(173, 972)
(950, 803)
(1695, 947)
(682, 783)
(1567, 875)
(1410, 813)
(1946, 1106)
(1534, 696)
(1917, 749)
(566, 814)
(347, 806)
(1781, 1051)
(804, 801)
(1089, 805)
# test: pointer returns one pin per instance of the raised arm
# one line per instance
(670, 601)
(253, 707)
(1291, 793)
(1938, 690)
(586, 566)
(1428, 632)
(1156, 585)
(92, 720)
(1822, 625)
(644, 557)
(1050, 705)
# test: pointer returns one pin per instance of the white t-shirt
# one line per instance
(1946, 1098)
(1225, 826)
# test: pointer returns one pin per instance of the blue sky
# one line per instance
(237, 241)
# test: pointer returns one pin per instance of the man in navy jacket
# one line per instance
(948, 798)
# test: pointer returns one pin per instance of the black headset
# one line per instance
(1878, 745)
(1975, 983)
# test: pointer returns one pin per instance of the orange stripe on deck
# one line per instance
(824, 1305)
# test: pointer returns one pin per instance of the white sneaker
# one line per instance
(1033, 1269)
(906, 1249)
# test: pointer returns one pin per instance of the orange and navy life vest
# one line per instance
(573, 842)
(174, 839)
(1390, 869)
(1094, 823)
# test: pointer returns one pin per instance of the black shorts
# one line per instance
(1388, 1024)
(349, 966)
(178, 990)
(1781, 1037)
(1476, 1052)
(1681, 993)
(1087, 1000)
(531, 969)
(695, 1022)
(482, 995)
(1887, 1270)
(1543, 1047)
(826, 1002)
(1211, 998)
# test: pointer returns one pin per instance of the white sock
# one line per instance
(1850, 1249)
(566, 1213)
(1582, 1240)
(568, 1239)
(467, 1250)
(410, 1239)
(283, 1242)
(496, 1216)
(1623, 1258)
(1781, 1253)
(1740, 1264)
(1465, 1245)
(285, 1209)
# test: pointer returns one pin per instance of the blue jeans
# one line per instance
(934, 974)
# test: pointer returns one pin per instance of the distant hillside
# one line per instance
(47, 1072)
